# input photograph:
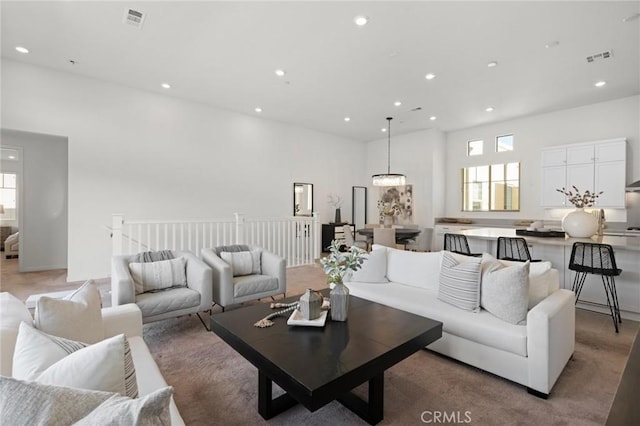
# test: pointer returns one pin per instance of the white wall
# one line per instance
(420, 156)
(606, 120)
(148, 155)
(42, 199)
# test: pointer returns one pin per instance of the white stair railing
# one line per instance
(294, 238)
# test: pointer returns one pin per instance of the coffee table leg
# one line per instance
(371, 411)
(267, 406)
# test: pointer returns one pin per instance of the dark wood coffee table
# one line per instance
(318, 365)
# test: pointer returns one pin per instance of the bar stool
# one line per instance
(514, 248)
(457, 243)
(597, 259)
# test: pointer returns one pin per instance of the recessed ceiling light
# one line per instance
(12, 157)
(384, 129)
(397, 103)
(600, 83)
(166, 86)
(430, 76)
(360, 20)
(22, 49)
(489, 109)
(258, 109)
(280, 73)
(492, 64)
(432, 118)
(552, 44)
(347, 119)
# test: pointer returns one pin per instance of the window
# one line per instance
(474, 147)
(504, 143)
(8, 195)
(491, 188)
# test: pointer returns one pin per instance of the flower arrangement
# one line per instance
(389, 208)
(587, 199)
(338, 263)
(334, 200)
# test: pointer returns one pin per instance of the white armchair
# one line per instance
(11, 246)
(169, 303)
(229, 289)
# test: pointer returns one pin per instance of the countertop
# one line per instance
(617, 242)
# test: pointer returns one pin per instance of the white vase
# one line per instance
(580, 224)
(388, 221)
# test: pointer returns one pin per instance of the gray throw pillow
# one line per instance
(505, 291)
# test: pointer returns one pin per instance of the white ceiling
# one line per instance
(225, 53)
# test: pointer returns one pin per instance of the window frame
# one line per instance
(469, 147)
(513, 139)
(490, 182)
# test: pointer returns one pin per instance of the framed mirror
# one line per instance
(302, 199)
(359, 206)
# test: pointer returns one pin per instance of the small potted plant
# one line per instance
(336, 265)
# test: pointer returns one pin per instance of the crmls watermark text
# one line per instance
(447, 417)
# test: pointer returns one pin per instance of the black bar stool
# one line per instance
(514, 248)
(457, 243)
(597, 259)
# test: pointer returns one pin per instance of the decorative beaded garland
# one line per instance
(266, 321)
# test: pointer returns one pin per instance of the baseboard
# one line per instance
(42, 268)
(537, 393)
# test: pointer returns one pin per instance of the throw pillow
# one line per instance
(243, 262)
(151, 410)
(78, 316)
(105, 366)
(25, 403)
(58, 405)
(505, 291)
(460, 282)
(374, 268)
(161, 275)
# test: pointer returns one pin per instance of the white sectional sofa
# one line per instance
(123, 319)
(533, 354)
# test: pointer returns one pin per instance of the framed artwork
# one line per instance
(403, 197)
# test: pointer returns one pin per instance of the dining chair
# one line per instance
(372, 225)
(384, 237)
(457, 243)
(350, 241)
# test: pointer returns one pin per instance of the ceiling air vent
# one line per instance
(599, 56)
(133, 18)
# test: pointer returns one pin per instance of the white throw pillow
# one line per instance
(413, 268)
(374, 268)
(242, 262)
(505, 290)
(160, 275)
(104, 366)
(78, 316)
(150, 410)
(460, 282)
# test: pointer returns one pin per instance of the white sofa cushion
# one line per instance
(505, 290)
(160, 275)
(105, 366)
(460, 282)
(168, 300)
(413, 268)
(77, 316)
(482, 327)
(374, 268)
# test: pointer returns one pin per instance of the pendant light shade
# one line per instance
(389, 179)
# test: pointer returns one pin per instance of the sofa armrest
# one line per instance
(275, 266)
(122, 287)
(199, 279)
(550, 338)
(121, 319)
(221, 278)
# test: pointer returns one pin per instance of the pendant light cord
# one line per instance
(389, 145)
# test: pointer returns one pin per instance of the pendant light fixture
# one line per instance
(389, 179)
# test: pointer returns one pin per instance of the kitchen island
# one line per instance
(557, 250)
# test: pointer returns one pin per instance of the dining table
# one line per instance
(402, 234)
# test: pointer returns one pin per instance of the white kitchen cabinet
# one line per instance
(593, 166)
(437, 243)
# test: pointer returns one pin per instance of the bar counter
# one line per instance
(557, 250)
